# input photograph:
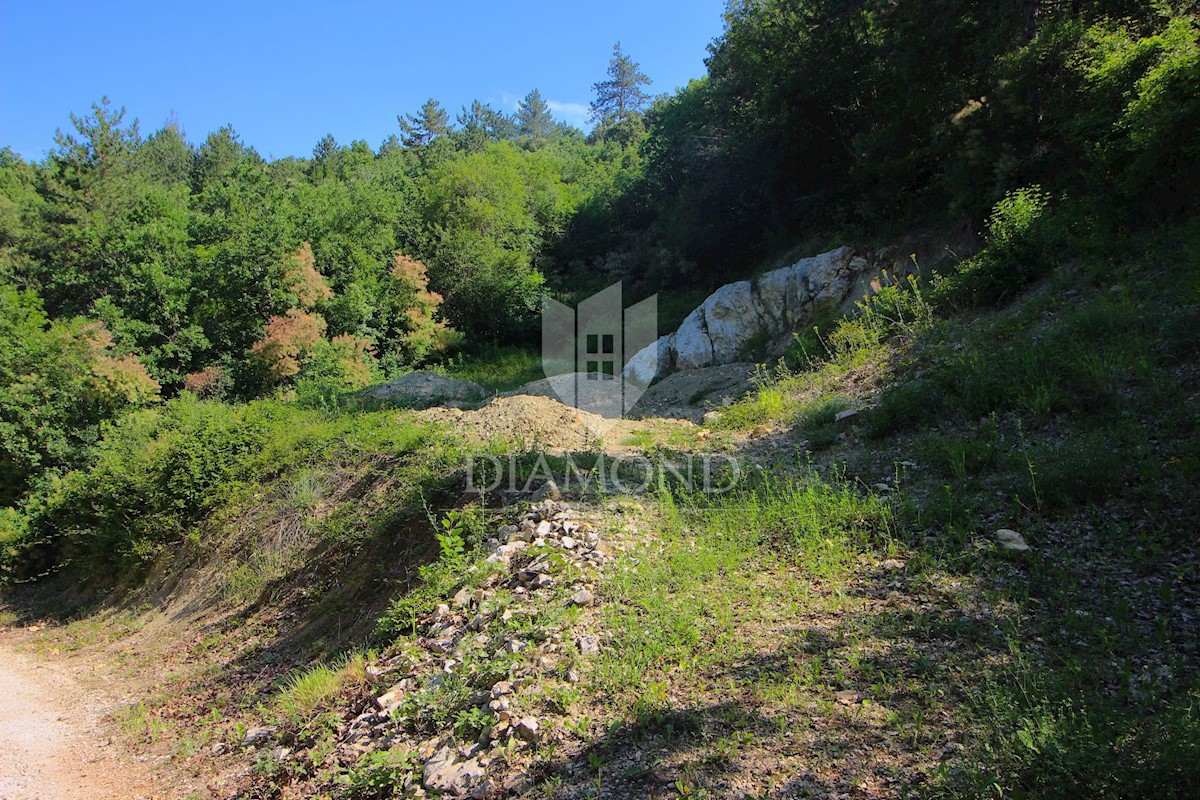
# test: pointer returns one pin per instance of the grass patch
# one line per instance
(690, 594)
(496, 368)
(306, 695)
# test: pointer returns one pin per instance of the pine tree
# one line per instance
(389, 145)
(533, 119)
(419, 129)
(480, 124)
(621, 97)
(326, 149)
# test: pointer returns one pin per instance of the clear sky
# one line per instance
(285, 74)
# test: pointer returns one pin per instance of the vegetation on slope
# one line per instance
(850, 626)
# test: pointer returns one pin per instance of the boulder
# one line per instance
(693, 348)
(527, 729)
(738, 314)
(781, 295)
(651, 362)
(829, 276)
(732, 321)
(547, 491)
(426, 389)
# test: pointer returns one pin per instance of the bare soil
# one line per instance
(55, 739)
(546, 423)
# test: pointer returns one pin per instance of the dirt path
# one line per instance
(53, 742)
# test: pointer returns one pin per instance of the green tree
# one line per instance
(420, 129)
(481, 125)
(489, 215)
(59, 379)
(166, 157)
(325, 157)
(620, 99)
(534, 122)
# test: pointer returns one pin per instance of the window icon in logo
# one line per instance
(585, 350)
(601, 356)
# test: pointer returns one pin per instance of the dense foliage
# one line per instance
(822, 116)
(209, 259)
(134, 268)
(134, 265)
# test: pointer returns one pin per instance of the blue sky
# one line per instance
(285, 74)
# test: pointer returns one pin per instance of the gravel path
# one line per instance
(52, 740)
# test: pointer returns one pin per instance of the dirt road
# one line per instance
(53, 742)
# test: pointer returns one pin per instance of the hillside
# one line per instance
(846, 623)
(289, 508)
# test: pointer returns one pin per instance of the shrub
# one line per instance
(58, 381)
(154, 475)
(287, 341)
(1020, 248)
(1139, 100)
(379, 773)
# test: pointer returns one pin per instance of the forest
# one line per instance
(138, 267)
(958, 558)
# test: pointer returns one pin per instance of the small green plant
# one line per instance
(440, 577)
(1021, 247)
(379, 774)
(450, 541)
(471, 721)
(580, 726)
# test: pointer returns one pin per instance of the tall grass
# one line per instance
(496, 368)
(306, 694)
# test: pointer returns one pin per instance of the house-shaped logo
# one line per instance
(585, 351)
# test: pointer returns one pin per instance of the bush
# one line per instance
(1021, 247)
(58, 382)
(1139, 101)
(159, 474)
(155, 474)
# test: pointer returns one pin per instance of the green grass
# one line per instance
(496, 368)
(306, 695)
(693, 590)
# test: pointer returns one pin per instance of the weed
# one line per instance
(306, 694)
(379, 774)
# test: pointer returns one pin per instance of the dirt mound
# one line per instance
(528, 420)
(543, 422)
(425, 389)
(687, 394)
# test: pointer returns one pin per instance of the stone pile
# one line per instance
(546, 563)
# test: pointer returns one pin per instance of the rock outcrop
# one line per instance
(742, 314)
(763, 313)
